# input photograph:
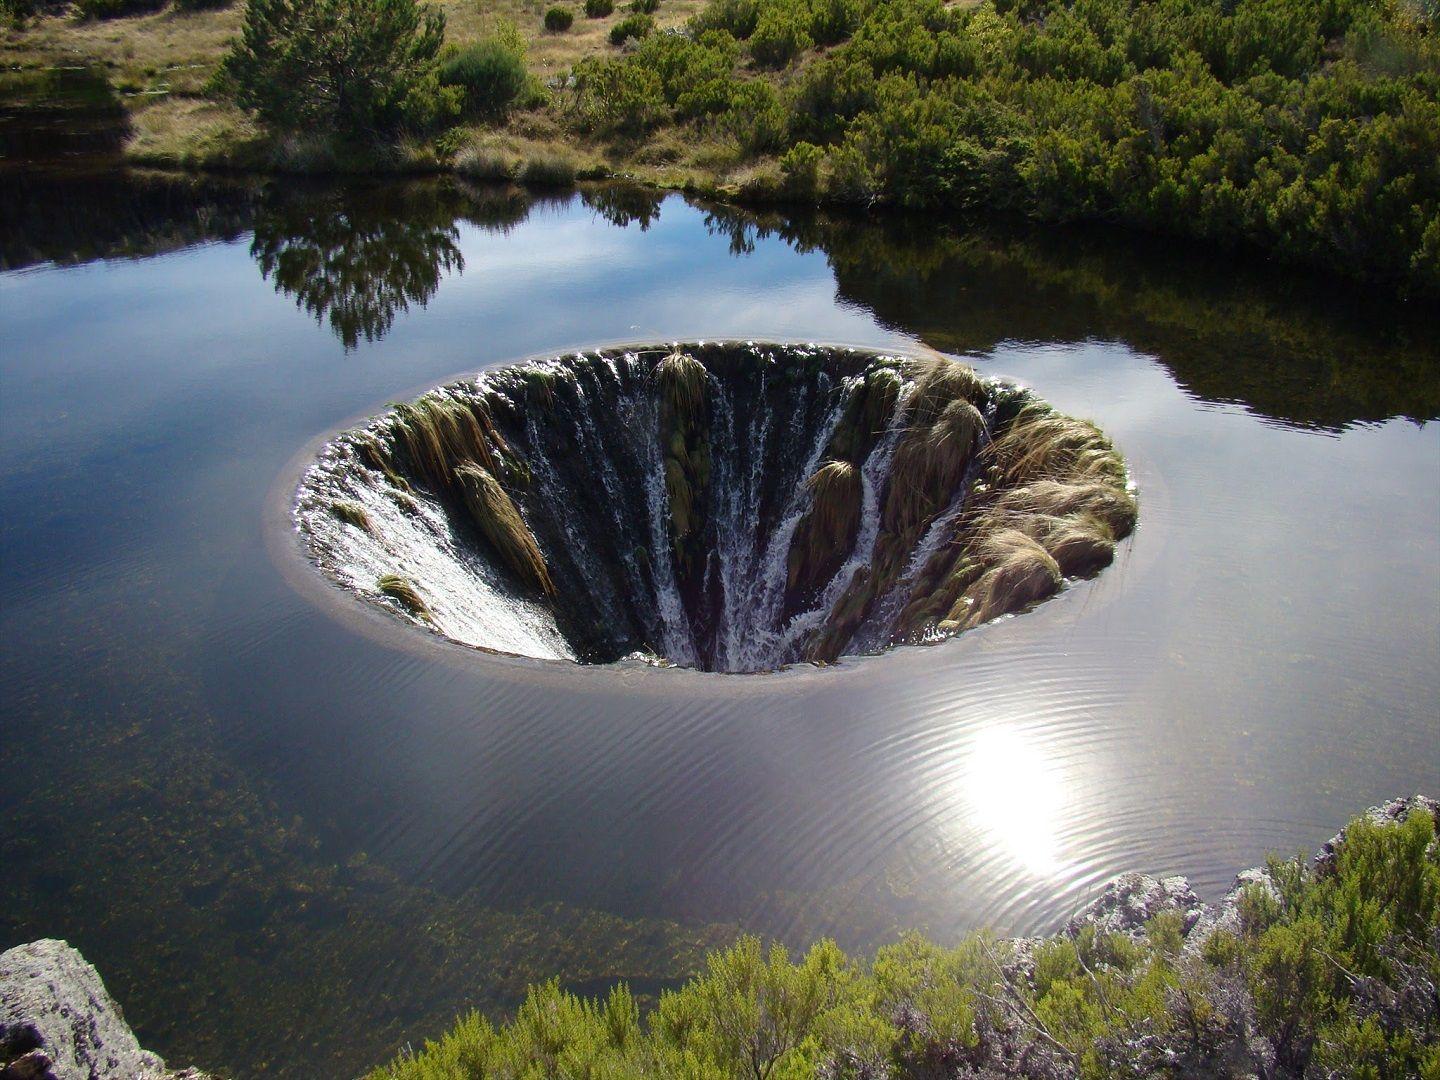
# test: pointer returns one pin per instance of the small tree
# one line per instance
(362, 68)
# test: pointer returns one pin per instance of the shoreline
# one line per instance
(47, 986)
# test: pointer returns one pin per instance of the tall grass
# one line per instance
(402, 590)
(499, 520)
(827, 532)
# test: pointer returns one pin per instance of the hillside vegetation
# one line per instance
(1324, 971)
(1307, 128)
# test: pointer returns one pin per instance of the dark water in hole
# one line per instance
(291, 842)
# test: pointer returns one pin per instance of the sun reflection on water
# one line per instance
(1018, 797)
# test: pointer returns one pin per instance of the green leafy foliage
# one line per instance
(1308, 128)
(1334, 967)
(598, 9)
(490, 72)
(782, 32)
(558, 19)
(366, 69)
(634, 25)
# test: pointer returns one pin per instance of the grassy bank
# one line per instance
(1325, 969)
(1305, 129)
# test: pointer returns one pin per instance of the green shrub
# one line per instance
(735, 17)
(558, 19)
(781, 34)
(598, 9)
(632, 26)
(644, 7)
(800, 166)
(755, 118)
(366, 69)
(613, 95)
(1336, 975)
(832, 21)
(490, 72)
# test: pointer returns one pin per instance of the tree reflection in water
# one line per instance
(358, 257)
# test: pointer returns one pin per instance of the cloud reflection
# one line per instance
(1018, 797)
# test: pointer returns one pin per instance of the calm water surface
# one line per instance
(293, 841)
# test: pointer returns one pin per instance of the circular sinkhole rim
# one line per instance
(291, 554)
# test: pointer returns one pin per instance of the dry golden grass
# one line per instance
(185, 131)
(168, 52)
(404, 593)
(159, 64)
(827, 532)
(499, 520)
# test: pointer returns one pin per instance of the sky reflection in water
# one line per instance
(271, 830)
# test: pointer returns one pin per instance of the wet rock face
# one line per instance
(58, 1022)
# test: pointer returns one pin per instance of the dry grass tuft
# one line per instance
(372, 454)
(439, 433)
(827, 532)
(1043, 444)
(1020, 573)
(940, 381)
(352, 513)
(683, 382)
(499, 520)
(404, 593)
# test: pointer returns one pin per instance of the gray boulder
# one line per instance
(57, 1021)
(1130, 901)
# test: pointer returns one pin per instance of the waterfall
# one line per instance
(592, 451)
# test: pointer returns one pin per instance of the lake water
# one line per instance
(293, 838)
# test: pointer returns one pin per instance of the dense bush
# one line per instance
(1310, 128)
(781, 33)
(1331, 972)
(598, 9)
(365, 69)
(615, 97)
(490, 72)
(632, 26)
(559, 19)
(644, 7)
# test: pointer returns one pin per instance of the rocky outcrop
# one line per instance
(1130, 901)
(58, 1022)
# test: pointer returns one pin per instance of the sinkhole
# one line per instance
(727, 506)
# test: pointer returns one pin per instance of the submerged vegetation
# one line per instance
(1324, 970)
(728, 506)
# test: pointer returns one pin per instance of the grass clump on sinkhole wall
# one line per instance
(1052, 503)
(826, 533)
(499, 520)
(352, 513)
(403, 592)
(684, 426)
(1329, 969)
(439, 433)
